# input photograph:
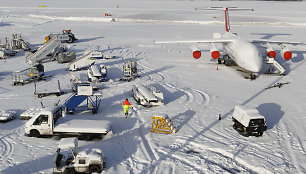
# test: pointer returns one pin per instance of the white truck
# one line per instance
(148, 96)
(248, 121)
(69, 160)
(51, 122)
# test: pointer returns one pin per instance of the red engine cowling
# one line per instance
(271, 53)
(196, 53)
(286, 54)
(215, 53)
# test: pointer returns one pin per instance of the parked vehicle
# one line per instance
(29, 113)
(248, 121)
(148, 96)
(71, 36)
(32, 74)
(69, 160)
(6, 116)
(97, 73)
(51, 122)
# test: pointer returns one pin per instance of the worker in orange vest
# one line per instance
(126, 105)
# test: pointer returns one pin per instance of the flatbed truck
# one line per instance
(50, 122)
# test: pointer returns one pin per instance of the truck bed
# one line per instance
(66, 125)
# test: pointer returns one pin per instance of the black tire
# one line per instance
(34, 133)
(94, 169)
(70, 40)
(259, 133)
(69, 171)
(235, 126)
(87, 137)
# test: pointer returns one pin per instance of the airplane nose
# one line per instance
(257, 64)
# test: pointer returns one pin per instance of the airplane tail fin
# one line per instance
(226, 9)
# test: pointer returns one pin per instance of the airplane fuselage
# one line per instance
(243, 53)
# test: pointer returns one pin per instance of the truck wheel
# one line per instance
(70, 40)
(87, 137)
(34, 133)
(235, 126)
(69, 171)
(94, 169)
(259, 133)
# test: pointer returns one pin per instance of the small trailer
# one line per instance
(34, 73)
(41, 94)
(69, 160)
(148, 96)
(97, 73)
(51, 122)
(248, 121)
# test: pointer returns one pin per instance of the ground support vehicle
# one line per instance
(71, 36)
(41, 94)
(69, 160)
(97, 73)
(6, 116)
(148, 96)
(34, 73)
(29, 113)
(84, 91)
(85, 61)
(129, 71)
(248, 121)
(51, 122)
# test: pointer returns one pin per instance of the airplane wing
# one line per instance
(196, 41)
(264, 41)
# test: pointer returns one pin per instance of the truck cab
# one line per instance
(43, 122)
(69, 160)
(248, 121)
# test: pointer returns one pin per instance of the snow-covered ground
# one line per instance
(195, 91)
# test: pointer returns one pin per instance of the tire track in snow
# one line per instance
(239, 162)
(8, 149)
(283, 135)
(270, 156)
(190, 97)
(146, 144)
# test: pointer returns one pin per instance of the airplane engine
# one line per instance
(196, 53)
(271, 52)
(215, 53)
(286, 54)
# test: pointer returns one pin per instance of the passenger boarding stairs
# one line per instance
(74, 101)
(82, 62)
(271, 61)
(84, 91)
(45, 49)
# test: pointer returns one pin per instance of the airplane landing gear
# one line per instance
(253, 76)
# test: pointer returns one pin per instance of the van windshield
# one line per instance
(256, 122)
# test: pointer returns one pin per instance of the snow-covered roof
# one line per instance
(4, 115)
(68, 143)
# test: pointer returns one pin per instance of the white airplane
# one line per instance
(242, 52)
